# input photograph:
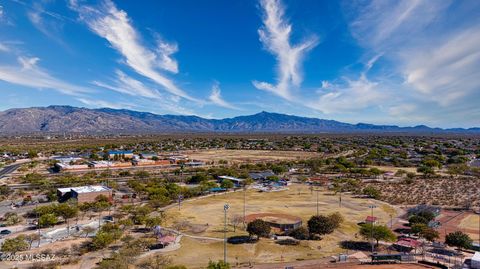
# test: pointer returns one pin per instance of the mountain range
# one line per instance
(68, 119)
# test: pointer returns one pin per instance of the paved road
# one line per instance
(9, 169)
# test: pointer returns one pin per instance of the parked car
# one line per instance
(5, 232)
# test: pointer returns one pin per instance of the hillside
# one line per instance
(60, 119)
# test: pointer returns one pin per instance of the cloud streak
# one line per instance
(127, 85)
(432, 54)
(275, 36)
(28, 73)
(115, 26)
(350, 96)
(216, 98)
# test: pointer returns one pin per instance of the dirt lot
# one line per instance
(298, 201)
(241, 156)
(458, 221)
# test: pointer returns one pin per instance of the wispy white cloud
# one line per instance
(216, 98)
(28, 73)
(48, 23)
(401, 109)
(127, 85)
(4, 48)
(448, 71)
(385, 24)
(5, 19)
(275, 35)
(348, 96)
(165, 51)
(116, 27)
(433, 48)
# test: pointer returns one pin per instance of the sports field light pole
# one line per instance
(225, 209)
(244, 204)
(373, 224)
(180, 197)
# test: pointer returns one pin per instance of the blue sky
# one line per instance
(389, 62)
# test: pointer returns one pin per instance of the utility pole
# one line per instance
(478, 214)
(373, 225)
(317, 202)
(225, 209)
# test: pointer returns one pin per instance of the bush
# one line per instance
(241, 239)
(288, 242)
(218, 265)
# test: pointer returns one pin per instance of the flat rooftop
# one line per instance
(85, 189)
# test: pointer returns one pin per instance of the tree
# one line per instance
(300, 233)
(377, 232)
(151, 222)
(32, 154)
(417, 228)
(67, 212)
(195, 179)
(426, 170)
(429, 234)
(321, 225)
(140, 213)
(226, 184)
(372, 192)
(458, 239)
(47, 220)
(14, 245)
(259, 228)
(336, 218)
(102, 240)
(218, 265)
(457, 169)
(415, 219)
(236, 220)
(11, 218)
